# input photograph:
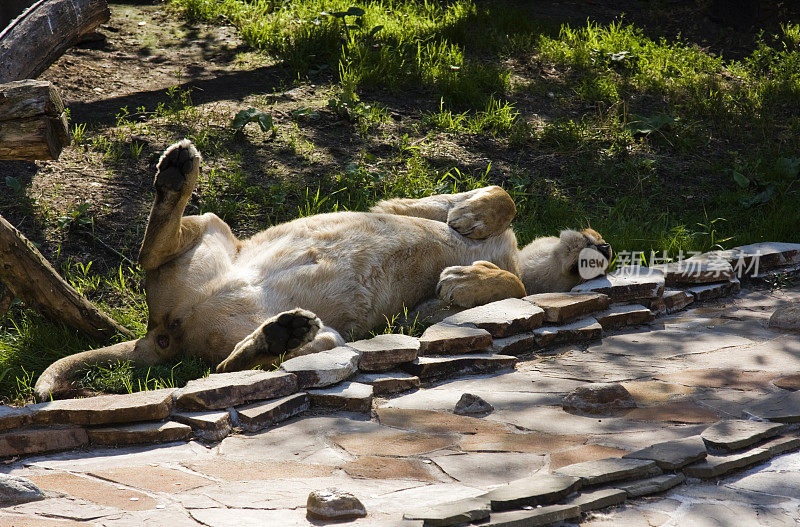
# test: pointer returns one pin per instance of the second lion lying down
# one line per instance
(296, 288)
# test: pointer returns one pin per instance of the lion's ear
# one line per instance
(593, 233)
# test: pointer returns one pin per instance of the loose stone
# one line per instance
(600, 398)
(384, 352)
(610, 469)
(535, 490)
(106, 409)
(452, 513)
(534, 517)
(470, 404)
(317, 370)
(624, 315)
(36, 440)
(222, 390)
(446, 339)
(15, 490)
(443, 367)
(208, 426)
(334, 504)
(598, 499)
(581, 330)
(786, 318)
(675, 300)
(389, 382)
(627, 284)
(501, 318)
(348, 396)
(139, 433)
(673, 455)
(562, 307)
(736, 434)
(256, 416)
(652, 485)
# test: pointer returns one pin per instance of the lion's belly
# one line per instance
(352, 269)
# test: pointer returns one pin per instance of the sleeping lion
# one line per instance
(296, 288)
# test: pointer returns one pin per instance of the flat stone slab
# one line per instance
(517, 344)
(15, 490)
(348, 396)
(541, 489)
(451, 513)
(255, 416)
(783, 408)
(652, 485)
(624, 315)
(501, 318)
(735, 434)
(598, 499)
(696, 272)
(36, 440)
(441, 367)
(222, 390)
(610, 469)
(389, 382)
(675, 300)
(562, 307)
(786, 318)
(106, 409)
(317, 370)
(750, 260)
(140, 433)
(384, 352)
(209, 426)
(582, 330)
(446, 339)
(703, 293)
(781, 445)
(534, 517)
(716, 466)
(626, 284)
(673, 455)
(12, 417)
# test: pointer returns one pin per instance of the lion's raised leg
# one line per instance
(476, 214)
(477, 284)
(168, 234)
(273, 341)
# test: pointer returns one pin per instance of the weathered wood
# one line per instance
(31, 278)
(42, 33)
(33, 124)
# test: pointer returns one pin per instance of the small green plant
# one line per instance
(79, 134)
(15, 186)
(253, 115)
(75, 216)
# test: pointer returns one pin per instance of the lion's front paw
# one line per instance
(278, 336)
(487, 212)
(178, 167)
(477, 284)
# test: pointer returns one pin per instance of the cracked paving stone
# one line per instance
(501, 318)
(139, 433)
(652, 485)
(447, 339)
(629, 283)
(389, 383)
(675, 454)
(384, 352)
(317, 370)
(222, 390)
(263, 414)
(451, 513)
(383, 467)
(534, 517)
(735, 434)
(348, 396)
(624, 315)
(563, 307)
(540, 489)
(610, 469)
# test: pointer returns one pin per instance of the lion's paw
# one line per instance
(477, 284)
(178, 167)
(486, 212)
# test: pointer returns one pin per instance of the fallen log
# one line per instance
(33, 124)
(43, 32)
(30, 277)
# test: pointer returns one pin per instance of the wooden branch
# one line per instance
(33, 124)
(41, 34)
(31, 278)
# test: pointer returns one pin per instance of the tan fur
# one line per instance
(298, 287)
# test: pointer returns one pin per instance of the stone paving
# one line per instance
(685, 452)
